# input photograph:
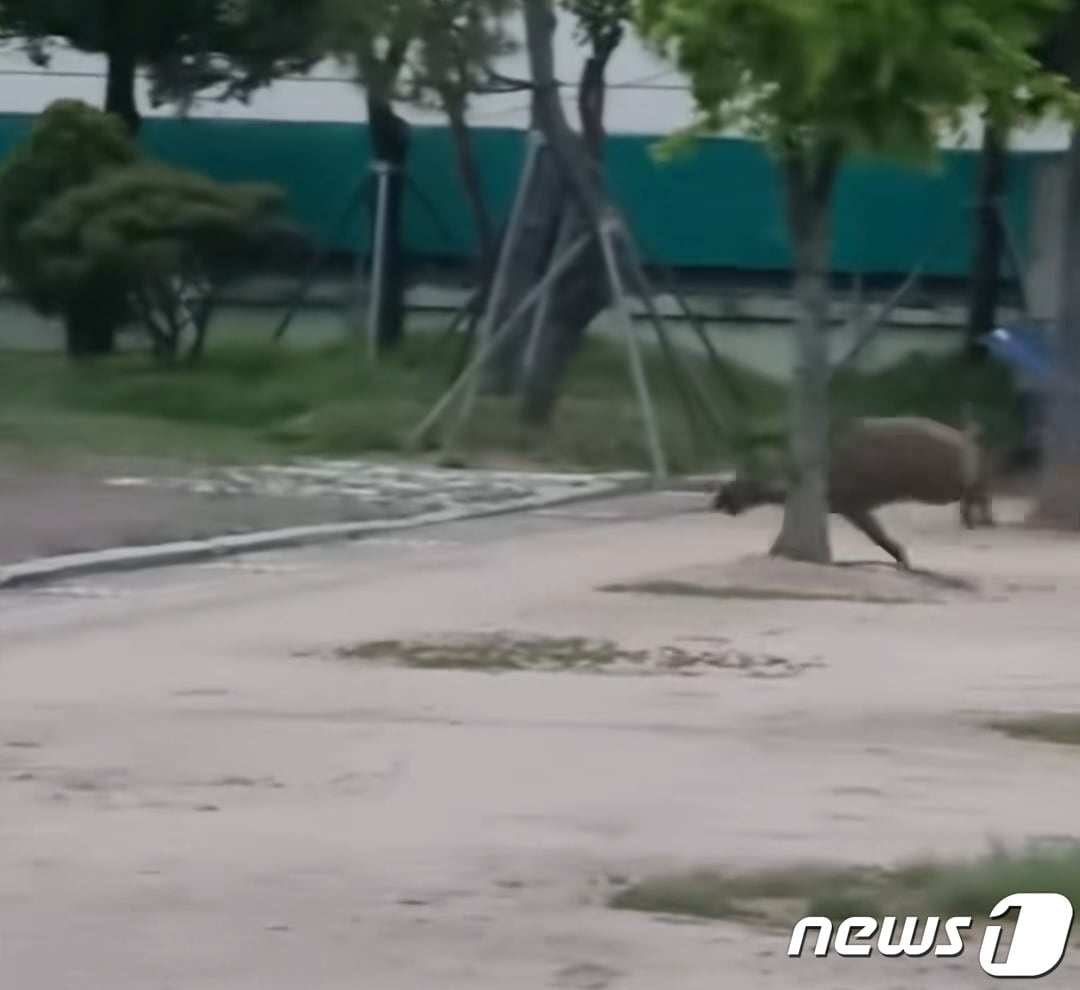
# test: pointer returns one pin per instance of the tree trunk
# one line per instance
(390, 142)
(92, 318)
(567, 184)
(577, 296)
(529, 259)
(90, 336)
(201, 316)
(122, 64)
(989, 242)
(585, 285)
(87, 334)
(469, 173)
(592, 96)
(120, 90)
(804, 534)
(1059, 497)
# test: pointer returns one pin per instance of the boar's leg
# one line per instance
(865, 522)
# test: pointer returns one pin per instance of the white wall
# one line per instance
(647, 96)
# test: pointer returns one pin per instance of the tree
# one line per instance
(236, 47)
(71, 144)
(990, 232)
(1059, 490)
(989, 238)
(233, 45)
(562, 206)
(426, 51)
(373, 38)
(819, 83)
(457, 42)
(168, 238)
(584, 291)
(601, 26)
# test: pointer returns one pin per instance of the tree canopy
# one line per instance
(69, 145)
(856, 76)
(169, 237)
(93, 232)
(600, 24)
(820, 82)
(456, 42)
(233, 46)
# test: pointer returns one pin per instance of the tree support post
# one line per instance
(535, 147)
(1015, 255)
(609, 229)
(486, 346)
(319, 259)
(539, 318)
(681, 371)
(382, 172)
(872, 327)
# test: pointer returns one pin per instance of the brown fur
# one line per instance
(876, 462)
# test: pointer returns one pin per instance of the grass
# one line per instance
(778, 898)
(501, 652)
(494, 652)
(1059, 728)
(251, 401)
(734, 592)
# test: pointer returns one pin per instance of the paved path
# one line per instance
(108, 504)
(192, 799)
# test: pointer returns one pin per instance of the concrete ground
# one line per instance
(52, 509)
(194, 797)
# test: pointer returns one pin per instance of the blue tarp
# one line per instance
(1026, 351)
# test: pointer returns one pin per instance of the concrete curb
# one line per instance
(46, 569)
(704, 483)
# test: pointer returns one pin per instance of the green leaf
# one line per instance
(883, 77)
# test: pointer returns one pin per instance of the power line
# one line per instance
(642, 84)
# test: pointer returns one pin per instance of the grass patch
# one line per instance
(254, 402)
(779, 898)
(1060, 728)
(249, 402)
(493, 652)
(734, 592)
(499, 652)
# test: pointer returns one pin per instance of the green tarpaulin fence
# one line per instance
(719, 207)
